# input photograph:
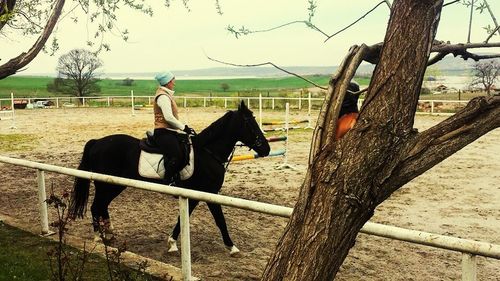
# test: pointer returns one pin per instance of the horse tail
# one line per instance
(80, 194)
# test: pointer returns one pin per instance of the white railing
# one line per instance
(469, 248)
(429, 106)
(7, 112)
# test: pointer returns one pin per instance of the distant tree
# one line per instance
(127, 82)
(486, 73)
(77, 69)
(57, 86)
(224, 86)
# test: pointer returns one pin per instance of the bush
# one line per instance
(425, 91)
(127, 82)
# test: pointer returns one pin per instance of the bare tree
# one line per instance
(40, 18)
(224, 86)
(78, 71)
(486, 73)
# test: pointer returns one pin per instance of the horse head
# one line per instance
(250, 134)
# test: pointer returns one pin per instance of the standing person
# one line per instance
(167, 124)
(349, 110)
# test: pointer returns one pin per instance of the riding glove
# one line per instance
(189, 131)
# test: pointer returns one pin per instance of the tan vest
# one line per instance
(160, 121)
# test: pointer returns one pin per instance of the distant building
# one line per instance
(441, 88)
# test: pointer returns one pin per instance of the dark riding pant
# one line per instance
(168, 142)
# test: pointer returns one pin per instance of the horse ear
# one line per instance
(242, 106)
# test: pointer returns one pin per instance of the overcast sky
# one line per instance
(178, 39)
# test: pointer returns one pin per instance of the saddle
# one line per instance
(151, 157)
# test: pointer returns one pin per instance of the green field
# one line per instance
(33, 87)
(36, 87)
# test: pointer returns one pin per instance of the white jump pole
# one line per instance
(42, 204)
(285, 156)
(260, 111)
(185, 240)
(132, 102)
(13, 117)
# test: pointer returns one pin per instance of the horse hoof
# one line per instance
(235, 252)
(172, 245)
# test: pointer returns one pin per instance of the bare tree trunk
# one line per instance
(13, 65)
(348, 178)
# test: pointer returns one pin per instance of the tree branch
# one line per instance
(353, 23)
(13, 65)
(492, 33)
(481, 115)
(272, 64)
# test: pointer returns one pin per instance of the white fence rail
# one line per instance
(424, 106)
(469, 248)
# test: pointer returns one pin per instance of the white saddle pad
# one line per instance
(151, 166)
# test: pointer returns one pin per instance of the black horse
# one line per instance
(118, 155)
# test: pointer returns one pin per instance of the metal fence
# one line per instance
(433, 107)
(469, 248)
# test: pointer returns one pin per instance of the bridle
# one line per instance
(257, 142)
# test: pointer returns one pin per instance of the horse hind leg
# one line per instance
(104, 194)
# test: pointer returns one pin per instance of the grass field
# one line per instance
(33, 87)
(37, 86)
(23, 257)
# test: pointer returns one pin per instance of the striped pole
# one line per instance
(256, 155)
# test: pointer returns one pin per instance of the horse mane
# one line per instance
(209, 133)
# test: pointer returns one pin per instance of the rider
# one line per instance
(348, 111)
(166, 122)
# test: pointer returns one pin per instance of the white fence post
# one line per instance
(108, 102)
(185, 102)
(42, 204)
(57, 102)
(225, 102)
(432, 107)
(300, 101)
(132, 101)
(185, 240)
(204, 101)
(309, 101)
(469, 267)
(272, 103)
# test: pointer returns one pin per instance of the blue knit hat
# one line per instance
(164, 77)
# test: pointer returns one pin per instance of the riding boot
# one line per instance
(170, 170)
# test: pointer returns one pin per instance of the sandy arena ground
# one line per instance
(459, 197)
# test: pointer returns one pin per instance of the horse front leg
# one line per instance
(218, 215)
(172, 239)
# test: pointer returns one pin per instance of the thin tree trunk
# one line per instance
(13, 65)
(492, 17)
(470, 20)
